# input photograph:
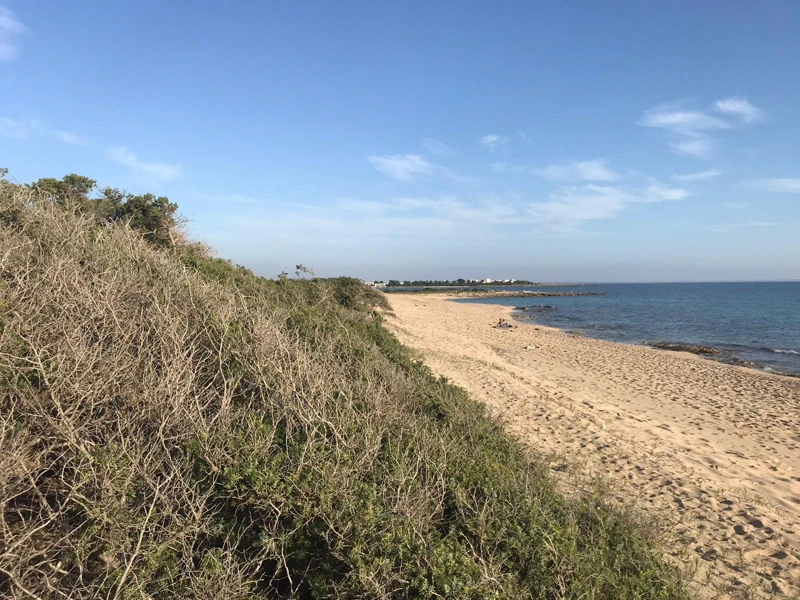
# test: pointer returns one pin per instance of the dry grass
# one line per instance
(172, 426)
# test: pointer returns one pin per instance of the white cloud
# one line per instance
(404, 167)
(436, 147)
(164, 171)
(684, 122)
(785, 186)
(67, 137)
(590, 170)
(740, 107)
(748, 225)
(10, 29)
(407, 167)
(660, 193)
(501, 167)
(24, 130)
(448, 208)
(16, 130)
(451, 221)
(696, 147)
(493, 141)
(691, 129)
(393, 220)
(701, 176)
(568, 209)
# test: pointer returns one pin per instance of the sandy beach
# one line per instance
(710, 451)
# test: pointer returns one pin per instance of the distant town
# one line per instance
(446, 282)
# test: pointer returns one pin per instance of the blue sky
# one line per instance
(562, 141)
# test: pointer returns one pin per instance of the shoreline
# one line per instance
(711, 448)
(490, 293)
(715, 354)
(749, 366)
(514, 313)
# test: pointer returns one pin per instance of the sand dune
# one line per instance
(710, 449)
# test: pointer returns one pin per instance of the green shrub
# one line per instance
(152, 216)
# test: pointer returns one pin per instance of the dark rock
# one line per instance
(701, 350)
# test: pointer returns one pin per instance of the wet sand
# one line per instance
(710, 451)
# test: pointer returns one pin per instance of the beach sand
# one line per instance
(709, 451)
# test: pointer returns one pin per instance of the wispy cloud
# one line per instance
(156, 170)
(436, 147)
(493, 141)
(32, 128)
(590, 170)
(450, 208)
(659, 193)
(685, 122)
(740, 107)
(701, 176)
(750, 224)
(698, 148)
(10, 30)
(501, 167)
(568, 209)
(395, 219)
(464, 221)
(409, 167)
(404, 167)
(784, 186)
(691, 129)
(15, 130)
(67, 137)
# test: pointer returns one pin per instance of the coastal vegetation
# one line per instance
(174, 426)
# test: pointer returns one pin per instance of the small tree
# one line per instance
(70, 187)
(153, 216)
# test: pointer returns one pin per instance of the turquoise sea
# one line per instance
(757, 322)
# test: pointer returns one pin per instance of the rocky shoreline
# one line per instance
(699, 350)
(727, 357)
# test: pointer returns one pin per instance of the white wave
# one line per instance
(779, 351)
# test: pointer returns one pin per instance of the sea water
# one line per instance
(757, 322)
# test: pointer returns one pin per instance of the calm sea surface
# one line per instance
(758, 322)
